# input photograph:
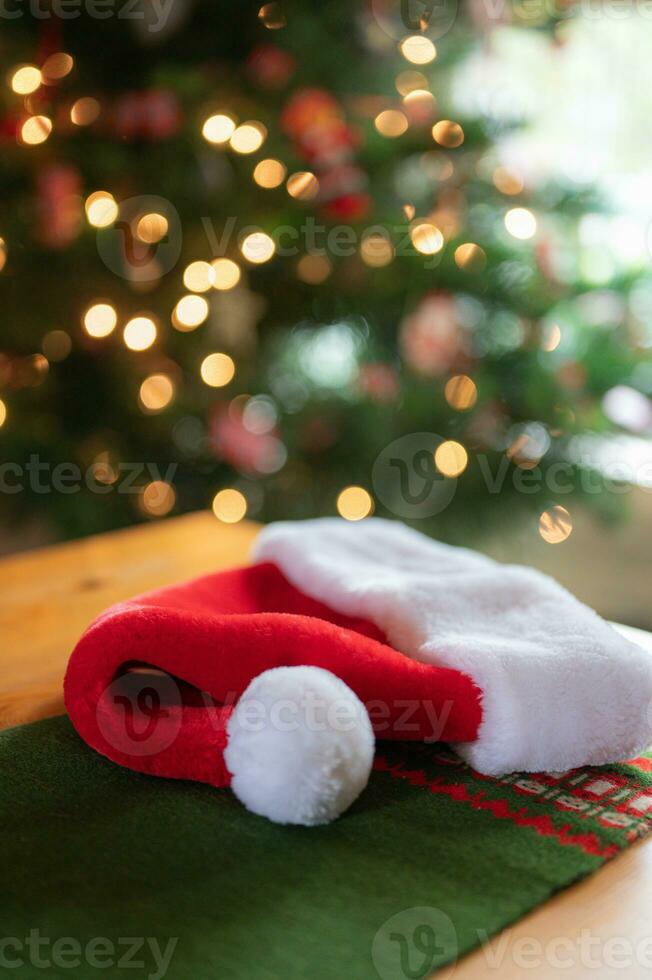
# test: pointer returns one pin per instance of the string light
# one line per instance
(140, 333)
(190, 312)
(470, 257)
(552, 338)
(56, 345)
(218, 128)
(199, 277)
(156, 392)
(248, 137)
(151, 228)
(227, 274)
(418, 49)
(376, 251)
(157, 498)
(101, 209)
(426, 238)
(391, 123)
(25, 80)
(229, 506)
(421, 101)
(448, 133)
(3, 413)
(451, 458)
(555, 524)
(35, 130)
(506, 181)
(520, 223)
(461, 392)
(354, 503)
(57, 66)
(272, 16)
(100, 320)
(314, 269)
(408, 81)
(217, 370)
(84, 111)
(258, 247)
(269, 173)
(103, 469)
(302, 185)
(3, 253)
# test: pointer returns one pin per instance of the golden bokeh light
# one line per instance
(410, 80)
(461, 392)
(521, 223)
(391, 123)
(56, 345)
(470, 257)
(84, 111)
(552, 338)
(248, 137)
(35, 130)
(101, 209)
(217, 370)
(258, 247)
(451, 458)
(302, 185)
(103, 469)
(418, 49)
(3, 413)
(269, 173)
(199, 277)
(227, 274)
(506, 181)
(314, 269)
(100, 320)
(157, 498)
(156, 393)
(152, 227)
(448, 133)
(376, 250)
(229, 506)
(25, 80)
(140, 333)
(218, 128)
(3, 253)
(426, 238)
(190, 312)
(57, 66)
(555, 524)
(354, 503)
(272, 16)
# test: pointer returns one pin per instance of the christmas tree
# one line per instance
(253, 258)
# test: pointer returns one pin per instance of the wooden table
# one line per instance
(48, 597)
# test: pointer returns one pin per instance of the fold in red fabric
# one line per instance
(152, 681)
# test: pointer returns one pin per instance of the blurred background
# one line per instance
(290, 260)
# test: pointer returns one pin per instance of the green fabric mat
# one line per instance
(429, 861)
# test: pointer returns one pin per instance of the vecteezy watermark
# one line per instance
(127, 255)
(154, 19)
(141, 713)
(428, 18)
(412, 943)
(406, 479)
(144, 953)
(42, 477)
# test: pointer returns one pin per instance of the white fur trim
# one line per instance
(300, 746)
(560, 687)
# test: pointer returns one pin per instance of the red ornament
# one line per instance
(270, 66)
(433, 339)
(58, 194)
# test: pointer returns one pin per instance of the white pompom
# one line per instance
(300, 746)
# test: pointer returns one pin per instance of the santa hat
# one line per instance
(274, 678)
